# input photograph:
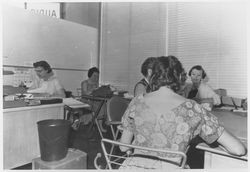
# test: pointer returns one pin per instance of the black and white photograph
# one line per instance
(125, 85)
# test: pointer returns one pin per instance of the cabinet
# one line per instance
(20, 133)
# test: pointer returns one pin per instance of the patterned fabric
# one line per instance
(171, 130)
(145, 163)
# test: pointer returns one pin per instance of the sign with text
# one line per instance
(48, 9)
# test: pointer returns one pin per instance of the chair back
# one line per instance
(116, 107)
(116, 159)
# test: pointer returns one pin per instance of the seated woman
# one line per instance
(165, 120)
(199, 90)
(92, 83)
(45, 82)
(143, 85)
(87, 87)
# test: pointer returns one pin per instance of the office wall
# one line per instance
(86, 13)
(131, 33)
(69, 47)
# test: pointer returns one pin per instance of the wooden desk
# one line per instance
(236, 123)
(20, 133)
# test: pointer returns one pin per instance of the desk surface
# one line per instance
(25, 108)
(73, 103)
(234, 122)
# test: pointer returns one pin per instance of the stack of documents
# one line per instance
(73, 103)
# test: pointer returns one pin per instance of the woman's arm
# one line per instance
(211, 130)
(84, 88)
(232, 144)
(205, 92)
(60, 93)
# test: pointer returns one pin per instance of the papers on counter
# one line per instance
(128, 96)
(230, 108)
(74, 103)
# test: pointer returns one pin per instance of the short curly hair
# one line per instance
(92, 70)
(167, 72)
(45, 65)
(198, 67)
(147, 64)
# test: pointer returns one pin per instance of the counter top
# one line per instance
(234, 122)
(24, 108)
(220, 150)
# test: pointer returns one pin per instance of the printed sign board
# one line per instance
(48, 9)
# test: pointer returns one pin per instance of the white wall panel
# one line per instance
(131, 33)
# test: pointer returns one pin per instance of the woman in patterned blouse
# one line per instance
(163, 119)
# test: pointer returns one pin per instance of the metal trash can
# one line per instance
(53, 138)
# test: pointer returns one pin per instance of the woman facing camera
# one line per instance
(45, 82)
(87, 88)
(199, 90)
(165, 120)
(92, 83)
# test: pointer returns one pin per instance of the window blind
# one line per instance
(213, 35)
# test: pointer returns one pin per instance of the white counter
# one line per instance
(20, 133)
(26, 108)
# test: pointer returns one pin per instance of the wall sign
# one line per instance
(48, 9)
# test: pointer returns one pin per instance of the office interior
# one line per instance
(117, 37)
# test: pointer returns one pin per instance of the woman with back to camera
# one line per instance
(165, 120)
(199, 90)
(143, 86)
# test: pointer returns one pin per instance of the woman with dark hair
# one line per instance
(92, 83)
(143, 86)
(165, 120)
(87, 87)
(45, 81)
(199, 90)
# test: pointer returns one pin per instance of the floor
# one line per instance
(89, 142)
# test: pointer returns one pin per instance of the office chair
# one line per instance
(116, 107)
(117, 159)
(90, 100)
